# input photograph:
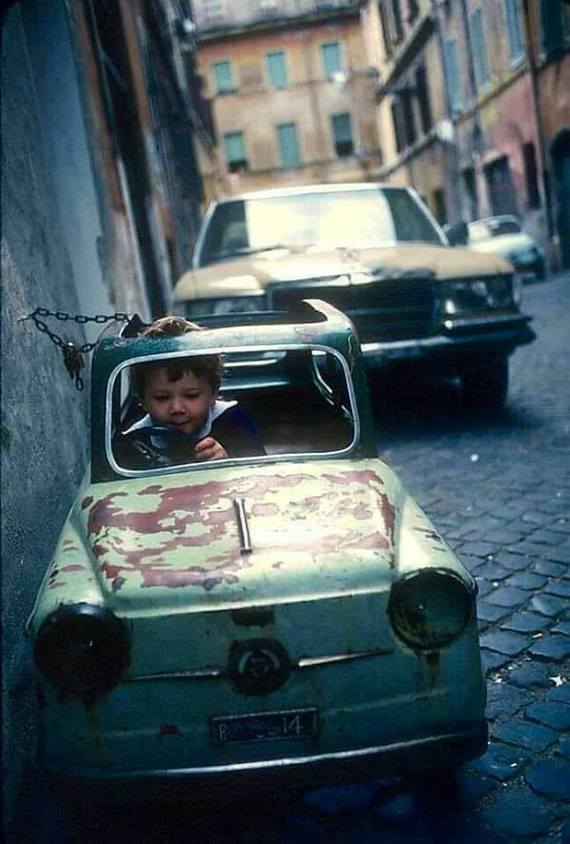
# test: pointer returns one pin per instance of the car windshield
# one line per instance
(492, 228)
(272, 403)
(331, 219)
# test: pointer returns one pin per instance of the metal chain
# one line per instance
(72, 353)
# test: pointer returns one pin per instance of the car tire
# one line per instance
(540, 271)
(484, 384)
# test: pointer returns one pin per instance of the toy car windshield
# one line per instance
(285, 401)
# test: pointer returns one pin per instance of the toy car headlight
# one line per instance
(470, 295)
(227, 305)
(429, 609)
(83, 650)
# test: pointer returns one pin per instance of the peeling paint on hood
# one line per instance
(316, 530)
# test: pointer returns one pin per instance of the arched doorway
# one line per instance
(560, 153)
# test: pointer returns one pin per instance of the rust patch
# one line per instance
(203, 505)
(169, 730)
(73, 567)
(87, 502)
(56, 584)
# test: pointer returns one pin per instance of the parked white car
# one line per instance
(503, 236)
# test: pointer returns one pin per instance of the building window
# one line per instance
(409, 119)
(395, 20)
(277, 69)
(422, 91)
(223, 82)
(398, 121)
(514, 29)
(555, 20)
(385, 30)
(453, 78)
(234, 148)
(470, 184)
(213, 11)
(288, 145)
(531, 175)
(438, 206)
(331, 59)
(342, 135)
(480, 60)
(413, 10)
(500, 186)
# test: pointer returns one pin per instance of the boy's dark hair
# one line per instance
(208, 367)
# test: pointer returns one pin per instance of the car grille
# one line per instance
(391, 309)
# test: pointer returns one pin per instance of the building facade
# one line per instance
(548, 32)
(292, 93)
(473, 106)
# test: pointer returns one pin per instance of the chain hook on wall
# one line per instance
(73, 354)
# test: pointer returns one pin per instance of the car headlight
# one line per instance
(430, 608)
(226, 305)
(83, 650)
(464, 296)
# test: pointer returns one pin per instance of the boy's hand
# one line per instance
(210, 449)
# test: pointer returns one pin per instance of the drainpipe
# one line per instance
(314, 100)
(484, 206)
(454, 141)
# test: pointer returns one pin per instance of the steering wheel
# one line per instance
(176, 446)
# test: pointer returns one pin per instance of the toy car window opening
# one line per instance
(300, 401)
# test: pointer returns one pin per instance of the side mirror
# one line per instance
(456, 233)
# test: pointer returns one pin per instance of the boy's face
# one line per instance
(183, 403)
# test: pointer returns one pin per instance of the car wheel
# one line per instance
(540, 271)
(484, 384)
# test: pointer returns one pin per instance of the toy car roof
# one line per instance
(312, 324)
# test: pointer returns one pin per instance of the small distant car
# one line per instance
(503, 236)
(292, 616)
(375, 252)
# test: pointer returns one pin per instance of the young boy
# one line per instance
(185, 420)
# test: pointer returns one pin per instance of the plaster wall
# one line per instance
(49, 257)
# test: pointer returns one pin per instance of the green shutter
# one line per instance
(331, 58)
(223, 77)
(234, 146)
(277, 70)
(288, 145)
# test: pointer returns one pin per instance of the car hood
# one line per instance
(505, 244)
(316, 529)
(250, 275)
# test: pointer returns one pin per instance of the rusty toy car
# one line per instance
(292, 615)
(376, 253)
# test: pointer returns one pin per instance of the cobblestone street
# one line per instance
(499, 491)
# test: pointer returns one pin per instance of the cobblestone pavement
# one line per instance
(499, 491)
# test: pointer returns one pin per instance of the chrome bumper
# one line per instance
(400, 758)
(458, 337)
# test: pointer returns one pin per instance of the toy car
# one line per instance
(292, 615)
(503, 236)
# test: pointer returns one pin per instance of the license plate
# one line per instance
(265, 726)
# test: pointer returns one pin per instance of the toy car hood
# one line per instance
(253, 275)
(165, 542)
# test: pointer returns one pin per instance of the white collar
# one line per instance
(214, 411)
